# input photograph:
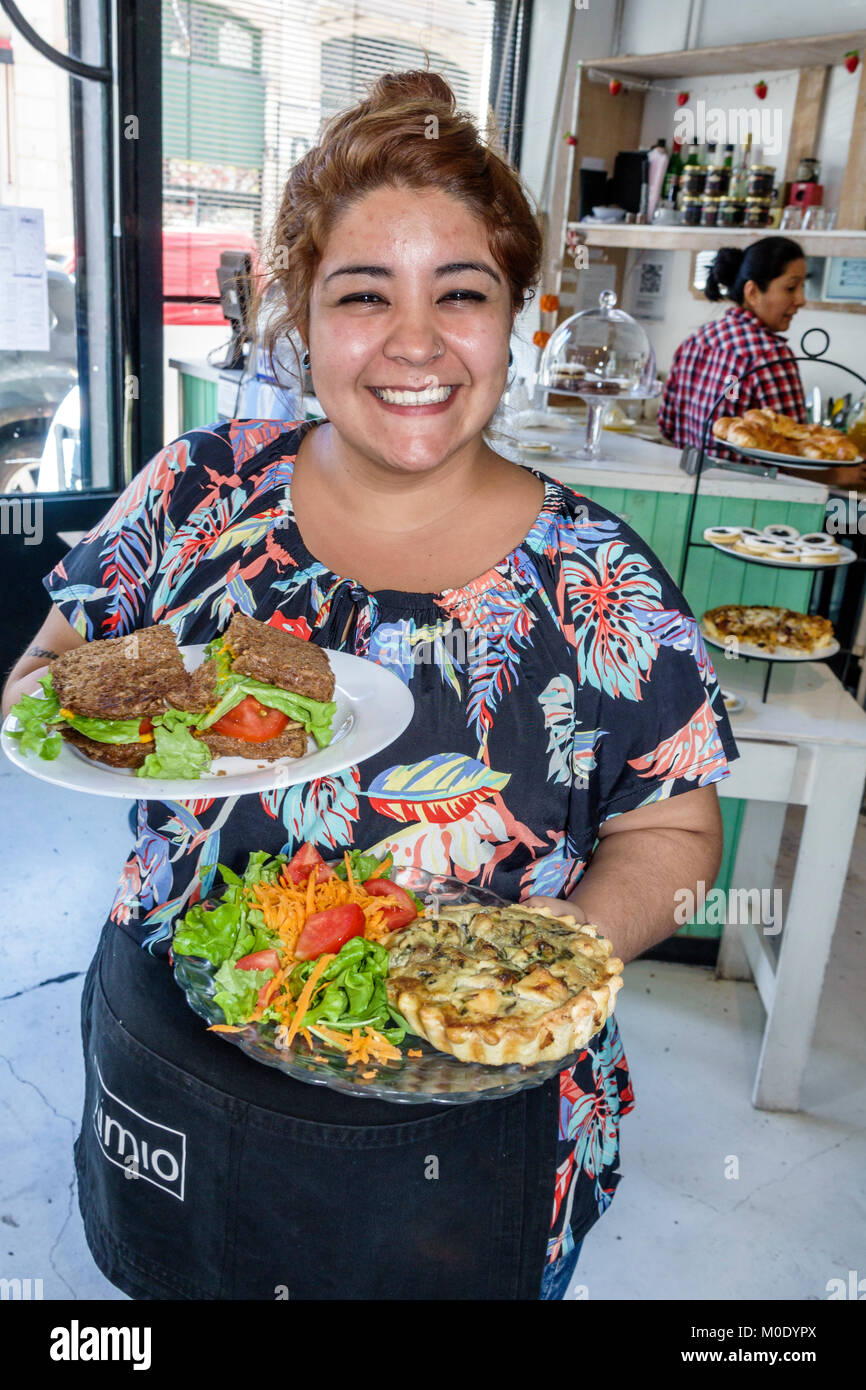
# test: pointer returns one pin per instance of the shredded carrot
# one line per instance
(368, 1075)
(369, 1046)
(329, 1035)
(307, 1039)
(306, 995)
(285, 906)
(414, 1052)
(223, 1028)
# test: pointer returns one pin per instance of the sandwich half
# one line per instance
(109, 698)
(266, 691)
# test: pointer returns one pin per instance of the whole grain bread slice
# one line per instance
(279, 658)
(122, 677)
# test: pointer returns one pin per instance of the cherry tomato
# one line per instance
(405, 910)
(251, 721)
(329, 930)
(301, 865)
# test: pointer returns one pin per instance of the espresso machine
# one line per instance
(806, 191)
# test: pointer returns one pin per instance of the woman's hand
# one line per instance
(560, 907)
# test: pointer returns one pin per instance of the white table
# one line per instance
(806, 746)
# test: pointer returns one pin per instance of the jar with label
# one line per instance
(758, 212)
(709, 211)
(693, 179)
(690, 211)
(761, 180)
(732, 212)
(718, 179)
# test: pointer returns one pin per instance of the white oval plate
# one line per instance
(781, 562)
(747, 649)
(373, 708)
(787, 460)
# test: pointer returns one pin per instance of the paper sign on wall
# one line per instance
(647, 292)
(23, 281)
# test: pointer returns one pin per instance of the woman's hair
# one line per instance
(763, 261)
(408, 133)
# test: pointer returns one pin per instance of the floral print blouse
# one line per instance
(566, 685)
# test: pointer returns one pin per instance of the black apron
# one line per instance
(203, 1174)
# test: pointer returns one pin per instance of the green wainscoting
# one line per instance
(713, 578)
(198, 402)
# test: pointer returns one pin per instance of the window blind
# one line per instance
(247, 85)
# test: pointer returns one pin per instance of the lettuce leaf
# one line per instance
(34, 714)
(176, 752)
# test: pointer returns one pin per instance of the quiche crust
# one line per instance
(504, 984)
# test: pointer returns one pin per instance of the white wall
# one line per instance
(594, 36)
(659, 26)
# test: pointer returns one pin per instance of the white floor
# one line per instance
(793, 1218)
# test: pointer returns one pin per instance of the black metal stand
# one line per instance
(755, 470)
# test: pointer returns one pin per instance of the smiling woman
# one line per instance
(567, 730)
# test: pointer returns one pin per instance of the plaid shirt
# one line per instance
(715, 357)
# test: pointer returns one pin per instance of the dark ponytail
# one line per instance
(763, 261)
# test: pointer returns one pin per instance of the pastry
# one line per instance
(773, 629)
(782, 533)
(502, 984)
(757, 545)
(722, 535)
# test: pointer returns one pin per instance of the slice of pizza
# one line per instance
(772, 629)
(503, 984)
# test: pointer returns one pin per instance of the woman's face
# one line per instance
(409, 326)
(779, 302)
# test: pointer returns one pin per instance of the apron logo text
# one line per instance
(143, 1148)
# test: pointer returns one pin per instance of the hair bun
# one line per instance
(396, 88)
(723, 273)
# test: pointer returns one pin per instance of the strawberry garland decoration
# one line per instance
(548, 304)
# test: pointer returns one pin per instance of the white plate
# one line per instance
(789, 460)
(780, 562)
(747, 649)
(373, 708)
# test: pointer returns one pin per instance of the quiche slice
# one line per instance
(502, 984)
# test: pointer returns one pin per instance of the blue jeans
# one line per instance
(557, 1275)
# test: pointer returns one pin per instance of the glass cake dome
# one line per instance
(599, 355)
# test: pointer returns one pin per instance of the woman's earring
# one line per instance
(305, 360)
(510, 358)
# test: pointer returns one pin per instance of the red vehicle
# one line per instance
(190, 256)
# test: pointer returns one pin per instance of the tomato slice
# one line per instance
(404, 910)
(251, 721)
(145, 726)
(259, 960)
(301, 865)
(329, 930)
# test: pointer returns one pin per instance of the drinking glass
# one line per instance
(792, 219)
(814, 220)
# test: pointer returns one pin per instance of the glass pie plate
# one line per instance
(433, 1077)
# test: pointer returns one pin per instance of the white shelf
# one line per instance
(677, 238)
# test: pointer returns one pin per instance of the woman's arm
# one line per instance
(56, 635)
(643, 859)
